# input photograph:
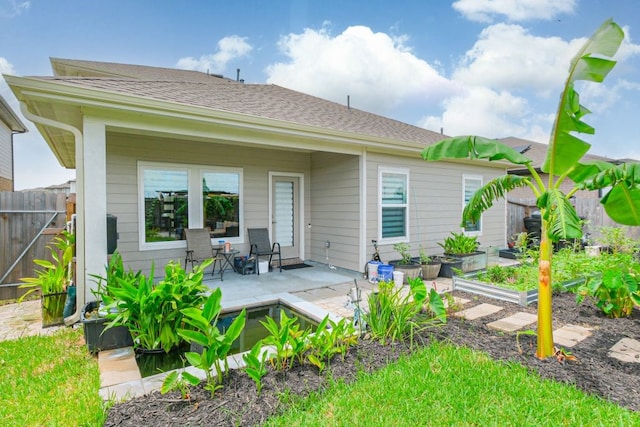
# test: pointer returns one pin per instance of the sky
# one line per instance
(493, 68)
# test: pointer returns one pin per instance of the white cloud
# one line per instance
(378, 71)
(13, 8)
(482, 111)
(513, 10)
(509, 57)
(228, 49)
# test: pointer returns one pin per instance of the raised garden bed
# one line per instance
(467, 283)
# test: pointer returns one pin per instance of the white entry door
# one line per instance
(285, 220)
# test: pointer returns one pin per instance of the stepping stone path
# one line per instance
(625, 350)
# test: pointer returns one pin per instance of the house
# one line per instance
(162, 149)
(10, 124)
(67, 188)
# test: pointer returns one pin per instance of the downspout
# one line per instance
(78, 139)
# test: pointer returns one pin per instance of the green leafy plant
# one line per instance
(288, 340)
(53, 276)
(153, 312)
(424, 258)
(330, 338)
(403, 249)
(393, 315)
(565, 150)
(215, 344)
(616, 240)
(459, 244)
(179, 381)
(256, 364)
(615, 292)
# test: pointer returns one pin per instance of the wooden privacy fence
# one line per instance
(28, 222)
(589, 209)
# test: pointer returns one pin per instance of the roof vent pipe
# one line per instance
(349, 102)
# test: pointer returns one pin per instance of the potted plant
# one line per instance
(464, 247)
(94, 314)
(430, 266)
(53, 278)
(405, 264)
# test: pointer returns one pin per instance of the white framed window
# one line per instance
(393, 205)
(470, 184)
(172, 197)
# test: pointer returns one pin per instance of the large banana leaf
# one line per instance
(622, 202)
(485, 196)
(565, 149)
(561, 217)
(473, 147)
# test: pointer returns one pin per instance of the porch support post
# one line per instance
(91, 221)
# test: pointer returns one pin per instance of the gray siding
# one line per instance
(123, 153)
(5, 152)
(435, 203)
(335, 209)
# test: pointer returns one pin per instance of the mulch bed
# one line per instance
(238, 403)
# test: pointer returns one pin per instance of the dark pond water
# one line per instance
(254, 331)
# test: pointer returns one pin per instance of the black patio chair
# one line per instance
(261, 246)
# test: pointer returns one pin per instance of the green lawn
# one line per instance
(445, 385)
(49, 381)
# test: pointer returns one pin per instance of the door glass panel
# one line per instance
(284, 213)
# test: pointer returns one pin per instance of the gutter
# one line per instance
(79, 141)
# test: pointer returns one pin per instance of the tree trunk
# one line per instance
(545, 319)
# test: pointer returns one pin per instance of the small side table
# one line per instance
(226, 260)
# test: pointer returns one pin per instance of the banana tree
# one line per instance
(565, 150)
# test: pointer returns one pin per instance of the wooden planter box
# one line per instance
(468, 283)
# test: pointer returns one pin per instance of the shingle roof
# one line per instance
(260, 100)
(9, 117)
(538, 151)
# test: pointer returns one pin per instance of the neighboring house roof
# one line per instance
(9, 118)
(537, 151)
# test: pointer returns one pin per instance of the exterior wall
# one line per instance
(123, 153)
(6, 157)
(435, 204)
(335, 209)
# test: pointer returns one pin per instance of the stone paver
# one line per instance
(478, 311)
(626, 350)
(118, 366)
(513, 323)
(22, 320)
(570, 335)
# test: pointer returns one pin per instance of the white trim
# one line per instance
(194, 197)
(390, 240)
(363, 207)
(466, 177)
(301, 213)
